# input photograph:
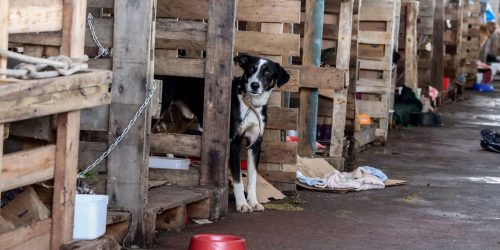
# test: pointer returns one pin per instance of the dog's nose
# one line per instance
(254, 85)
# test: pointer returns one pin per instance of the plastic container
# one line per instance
(216, 242)
(90, 216)
(169, 163)
(446, 83)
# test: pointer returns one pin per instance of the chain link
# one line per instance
(102, 51)
(146, 103)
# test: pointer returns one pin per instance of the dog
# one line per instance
(249, 96)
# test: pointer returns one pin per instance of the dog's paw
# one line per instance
(257, 207)
(245, 208)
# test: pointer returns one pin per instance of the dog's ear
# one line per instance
(282, 76)
(241, 60)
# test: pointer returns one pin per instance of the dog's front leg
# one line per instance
(238, 188)
(253, 163)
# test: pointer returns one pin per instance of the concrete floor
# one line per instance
(451, 200)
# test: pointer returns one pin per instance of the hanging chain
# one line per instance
(146, 103)
(102, 51)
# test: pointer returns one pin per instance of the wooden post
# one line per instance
(308, 112)
(65, 171)
(411, 64)
(437, 71)
(218, 80)
(133, 74)
(340, 100)
(68, 133)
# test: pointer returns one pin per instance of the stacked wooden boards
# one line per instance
(44, 28)
(453, 45)
(376, 39)
(470, 40)
(425, 31)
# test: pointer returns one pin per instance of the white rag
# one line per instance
(358, 180)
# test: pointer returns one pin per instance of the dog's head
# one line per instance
(260, 75)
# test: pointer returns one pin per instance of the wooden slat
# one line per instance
(43, 38)
(35, 236)
(323, 78)
(101, 3)
(27, 167)
(282, 118)
(374, 37)
(218, 80)
(178, 144)
(53, 103)
(375, 109)
(35, 16)
(74, 27)
(248, 10)
(14, 91)
(411, 43)
(183, 31)
(267, 43)
(273, 11)
(374, 65)
(165, 65)
(276, 152)
(65, 171)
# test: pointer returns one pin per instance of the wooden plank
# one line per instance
(35, 16)
(103, 243)
(218, 80)
(316, 77)
(133, 74)
(177, 144)
(437, 69)
(35, 236)
(65, 171)
(184, 31)
(374, 37)
(32, 107)
(276, 152)
(282, 118)
(109, 4)
(267, 43)
(411, 41)
(165, 65)
(4, 34)
(342, 62)
(14, 91)
(27, 167)
(375, 109)
(73, 29)
(167, 197)
(267, 11)
(375, 65)
(248, 10)
(181, 178)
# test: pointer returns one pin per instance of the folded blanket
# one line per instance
(359, 179)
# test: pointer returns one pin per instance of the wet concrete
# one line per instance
(452, 200)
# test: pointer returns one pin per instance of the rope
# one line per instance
(37, 68)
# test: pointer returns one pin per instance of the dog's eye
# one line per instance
(266, 73)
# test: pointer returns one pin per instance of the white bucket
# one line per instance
(90, 216)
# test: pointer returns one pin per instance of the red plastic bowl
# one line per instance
(216, 242)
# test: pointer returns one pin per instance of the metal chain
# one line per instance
(124, 133)
(102, 51)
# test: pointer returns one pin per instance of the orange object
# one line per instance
(364, 119)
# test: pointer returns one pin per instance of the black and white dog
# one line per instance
(249, 97)
(250, 94)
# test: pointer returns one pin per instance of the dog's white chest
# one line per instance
(252, 124)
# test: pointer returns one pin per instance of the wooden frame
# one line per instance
(64, 96)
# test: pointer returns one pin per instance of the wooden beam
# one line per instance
(35, 16)
(282, 118)
(342, 62)
(65, 171)
(267, 43)
(437, 69)
(27, 167)
(276, 152)
(4, 34)
(133, 75)
(411, 41)
(313, 35)
(218, 79)
(73, 29)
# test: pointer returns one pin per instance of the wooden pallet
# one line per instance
(375, 78)
(470, 41)
(453, 40)
(425, 31)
